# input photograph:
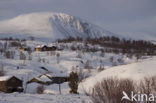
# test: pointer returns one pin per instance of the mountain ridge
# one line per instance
(49, 25)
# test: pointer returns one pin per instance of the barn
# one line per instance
(9, 84)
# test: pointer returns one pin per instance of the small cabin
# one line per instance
(11, 84)
(45, 48)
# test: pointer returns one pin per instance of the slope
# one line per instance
(135, 71)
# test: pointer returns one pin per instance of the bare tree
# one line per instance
(29, 53)
(2, 73)
(111, 59)
(81, 74)
(101, 68)
(102, 54)
(39, 59)
(7, 54)
(58, 58)
(22, 57)
(88, 66)
(79, 55)
(43, 60)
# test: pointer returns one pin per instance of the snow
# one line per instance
(42, 98)
(40, 46)
(135, 71)
(44, 78)
(4, 78)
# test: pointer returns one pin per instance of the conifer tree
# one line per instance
(73, 82)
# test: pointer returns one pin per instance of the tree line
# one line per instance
(117, 45)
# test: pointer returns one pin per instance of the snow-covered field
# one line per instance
(43, 98)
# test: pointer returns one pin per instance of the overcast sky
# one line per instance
(118, 16)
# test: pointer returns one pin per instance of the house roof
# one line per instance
(5, 78)
(40, 46)
(44, 78)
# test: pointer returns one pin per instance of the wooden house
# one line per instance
(10, 84)
(45, 48)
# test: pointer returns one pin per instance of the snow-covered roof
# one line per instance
(59, 75)
(48, 75)
(50, 45)
(40, 46)
(37, 78)
(5, 78)
(44, 78)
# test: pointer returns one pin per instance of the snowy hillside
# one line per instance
(46, 25)
(135, 71)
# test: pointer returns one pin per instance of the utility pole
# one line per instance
(60, 85)
(60, 88)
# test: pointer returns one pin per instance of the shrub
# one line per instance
(87, 65)
(110, 90)
(147, 85)
(101, 68)
(15, 44)
(81, 74)
(22, 56)
(7, 54)
(2, 73)
(120, 60)
(40, 89)
(73, 48)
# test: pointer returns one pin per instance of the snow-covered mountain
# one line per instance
(48, 25)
